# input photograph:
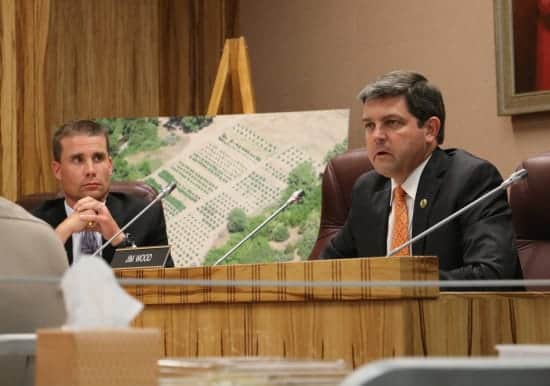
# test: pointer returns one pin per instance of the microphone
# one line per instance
(294, 198)
(163, 193)
(514, 177)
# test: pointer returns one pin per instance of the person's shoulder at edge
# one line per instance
(463, 156)
(11, 211)
(464, 164)
(47, 205)
(37, 229)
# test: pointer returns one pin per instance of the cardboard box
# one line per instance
(121, 357)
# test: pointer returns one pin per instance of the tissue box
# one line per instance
(97, 357)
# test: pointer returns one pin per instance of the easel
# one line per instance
(235, 64)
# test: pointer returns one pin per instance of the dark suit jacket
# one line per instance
(479, 244)
(148, 230)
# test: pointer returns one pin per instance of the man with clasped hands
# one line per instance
(415, 184)
(89, 214)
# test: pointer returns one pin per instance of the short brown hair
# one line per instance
(423, 99)
(80, 127)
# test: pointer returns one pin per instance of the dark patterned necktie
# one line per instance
(88, 243)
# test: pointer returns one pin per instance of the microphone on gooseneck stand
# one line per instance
(163, 193)
(514, 177)
(294, 198)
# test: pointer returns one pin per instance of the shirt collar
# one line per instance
(410, 185)
(68, 209)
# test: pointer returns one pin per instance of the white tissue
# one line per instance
(93, 297)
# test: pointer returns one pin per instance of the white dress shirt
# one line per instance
(410, 186)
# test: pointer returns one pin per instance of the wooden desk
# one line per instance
(358, 325)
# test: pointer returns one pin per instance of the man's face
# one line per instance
(395, 143)
(85, 167)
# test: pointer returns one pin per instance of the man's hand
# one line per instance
(90, 214)
(72, 224)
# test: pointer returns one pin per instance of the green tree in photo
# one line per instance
(121, 169)
(236, 220)
(190, 124)
(339, 148)
(144, 168)
(309, 230)
(129, 136)
(280, 233)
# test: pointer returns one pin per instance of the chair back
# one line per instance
(135, 188)
(530, 202)
(338, 179)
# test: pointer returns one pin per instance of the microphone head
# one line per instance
(296, 196)
(169, 189)
(519, 174)
(514, 177)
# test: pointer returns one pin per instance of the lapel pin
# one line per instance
(423, 203)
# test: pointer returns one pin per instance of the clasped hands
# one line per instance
(90, 215)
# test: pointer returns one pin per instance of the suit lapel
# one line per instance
(381, 208)
(57, 215)
(69, 249)
(428, 187)
(114, 208)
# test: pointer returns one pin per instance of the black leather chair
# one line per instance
(530, 202)
(338, 179)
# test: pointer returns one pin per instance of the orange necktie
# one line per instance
(400, 232)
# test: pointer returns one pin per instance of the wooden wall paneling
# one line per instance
(73, 59)
(94, 59)
(8, 100)
(192, 44)
(34, 173)
(178, 64)
(102, 59)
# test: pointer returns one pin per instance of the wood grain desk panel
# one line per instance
(353, 270)
(358, 326)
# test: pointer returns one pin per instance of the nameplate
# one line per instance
(141, 257)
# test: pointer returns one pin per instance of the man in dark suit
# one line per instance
(89, 215)
(415, 184)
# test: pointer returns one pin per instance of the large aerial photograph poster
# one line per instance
(232, 172)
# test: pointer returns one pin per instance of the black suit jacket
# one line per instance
(148, 230)
(479, 244)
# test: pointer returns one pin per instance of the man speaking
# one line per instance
(89, 215)
(415, 184)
